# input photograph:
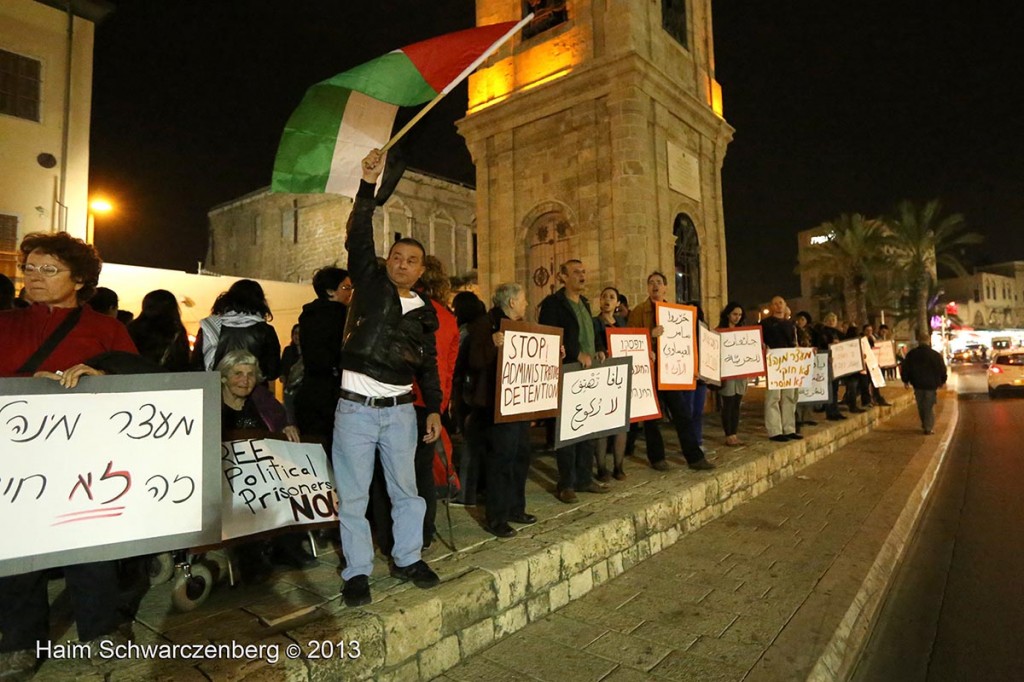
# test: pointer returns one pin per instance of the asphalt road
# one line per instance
(956, 607)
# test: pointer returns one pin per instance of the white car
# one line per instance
(1006, 371)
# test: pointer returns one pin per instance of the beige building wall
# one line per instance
(286, 237)
(29, 191)
(575, 133)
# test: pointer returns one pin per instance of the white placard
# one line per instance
(677, 346)
(709, 358)
(595, 401)
(871, 363)
(635, 344)
(742, 353)
(819, 389)
(529, 371)
(846, 358)
(271, 484)
(683, 171)
(885, 354)
(84, 469)
(789, 367)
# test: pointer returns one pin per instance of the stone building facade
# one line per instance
(597, 134)
(286, 237)
(992, 298)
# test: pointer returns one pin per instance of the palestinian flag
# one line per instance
(342, 118)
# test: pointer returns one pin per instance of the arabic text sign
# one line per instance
(846, 358)
(271, 484)
(677, 346)
(529, 371)
(636, 345)
(95, 474)
(742, 353)
(789, 367)
(818, 390)
(709, 359)
(595, 401)
(885, 353)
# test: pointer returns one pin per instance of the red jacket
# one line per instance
(23, 330)
(447, 341)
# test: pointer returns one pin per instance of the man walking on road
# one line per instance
(925, 370)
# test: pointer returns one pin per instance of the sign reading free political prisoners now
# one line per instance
(742, 353)
(271, 484)
(677, 346)
(789, 367)
(529, 372)
(595, 401)
(636, 345)
(116, 467)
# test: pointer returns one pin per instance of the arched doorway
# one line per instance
(687, 259)
(547, 248)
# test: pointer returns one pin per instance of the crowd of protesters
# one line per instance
(397, 386)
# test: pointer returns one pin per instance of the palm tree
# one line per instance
(851, 256)
(918, 242)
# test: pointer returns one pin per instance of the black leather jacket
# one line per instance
(379, 340)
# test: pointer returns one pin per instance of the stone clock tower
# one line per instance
(598, 134)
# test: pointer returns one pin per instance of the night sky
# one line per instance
(838, 107)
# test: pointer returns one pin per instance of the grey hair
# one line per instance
(504, 294)
(239, 357)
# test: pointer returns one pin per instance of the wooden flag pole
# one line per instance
(458, 79)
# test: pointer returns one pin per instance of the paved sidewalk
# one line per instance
(493, 588)
(758, 594)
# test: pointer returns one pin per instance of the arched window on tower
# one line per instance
(687, 259)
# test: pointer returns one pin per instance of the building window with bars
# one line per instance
(20, 79)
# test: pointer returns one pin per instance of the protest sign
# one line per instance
(117, 467)
(817, 391)
(529, 372)
(709, 357)
(742, 353)
(677, 346)
(788, 367)
(871, 363)
(636, 345)
(270, 484)
(846, 358)
(594, 401)
(885, 354)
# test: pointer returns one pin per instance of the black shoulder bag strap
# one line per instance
(51, 343)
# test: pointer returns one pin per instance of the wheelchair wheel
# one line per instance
(192, 585)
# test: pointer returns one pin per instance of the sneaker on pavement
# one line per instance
(524, 518)
(794, 436)
(661, 465)
(501, 530)
(701, 465)
(356, 591)
(779, 438)
(595, 487)
(419, 573)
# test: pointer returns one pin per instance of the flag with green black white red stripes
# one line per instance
(340, 119)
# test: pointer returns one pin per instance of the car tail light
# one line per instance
(995, 369)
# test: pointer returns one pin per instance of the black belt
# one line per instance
(376, 402)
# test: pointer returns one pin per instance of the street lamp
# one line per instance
(98, 205)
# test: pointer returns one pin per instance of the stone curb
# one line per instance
(840, 656)
(495, 589)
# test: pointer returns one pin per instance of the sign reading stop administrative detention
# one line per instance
(529, 372)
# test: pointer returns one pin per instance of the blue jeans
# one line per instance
(926, 407)
(359, 431)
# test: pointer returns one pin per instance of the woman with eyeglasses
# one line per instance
(55, 338)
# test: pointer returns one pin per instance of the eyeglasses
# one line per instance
(44, 270)
(346, 287)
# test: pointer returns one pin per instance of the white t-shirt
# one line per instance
(371, 388)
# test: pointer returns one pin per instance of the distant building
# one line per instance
(992, 298)
(45, 112)
(286, 237)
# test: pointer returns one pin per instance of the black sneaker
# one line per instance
(419, 573)
(356, 591)
(501, 530)
(779, 438)
(794, 436)
(701, 465)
